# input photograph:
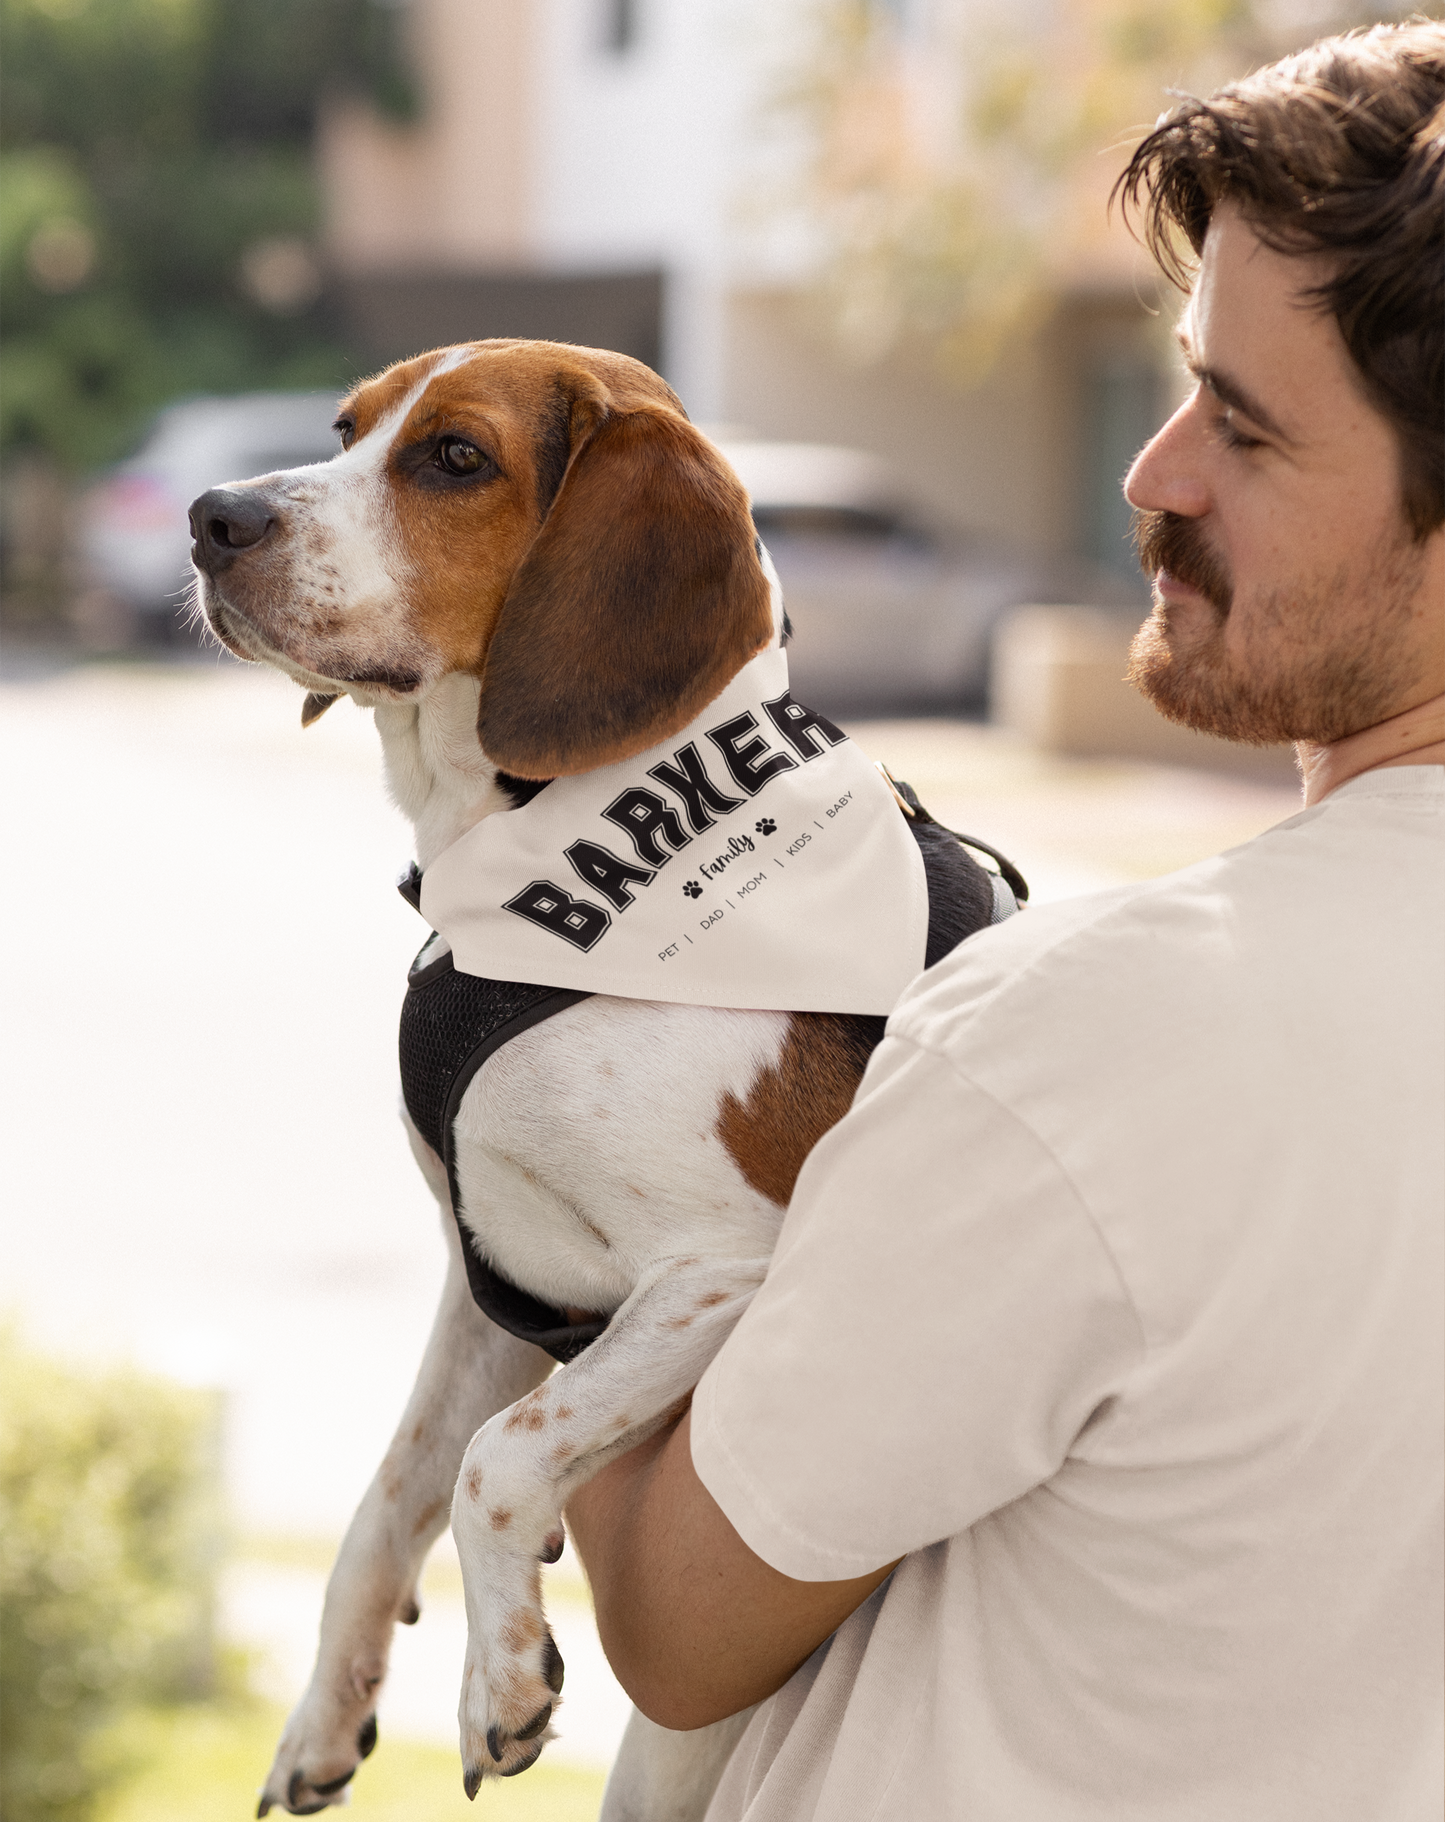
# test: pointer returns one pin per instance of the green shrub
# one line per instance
(108, 1557)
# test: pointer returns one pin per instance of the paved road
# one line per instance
(203, 961)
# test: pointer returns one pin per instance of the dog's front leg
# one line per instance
(470, 1369)
(520, 1469)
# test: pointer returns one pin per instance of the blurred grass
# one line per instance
(206, 1763)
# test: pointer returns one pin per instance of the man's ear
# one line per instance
(642, 596)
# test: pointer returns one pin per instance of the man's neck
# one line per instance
(1416, 737)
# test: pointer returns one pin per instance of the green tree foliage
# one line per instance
(108, 1545)
(157, 207)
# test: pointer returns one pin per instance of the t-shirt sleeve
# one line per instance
(939, 1321)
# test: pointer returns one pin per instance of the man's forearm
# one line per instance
(695, 1624)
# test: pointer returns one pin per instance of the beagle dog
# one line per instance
(528, 563)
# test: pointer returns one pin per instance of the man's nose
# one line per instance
(225, 522)
(1167, 475)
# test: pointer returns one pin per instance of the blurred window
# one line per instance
(620, 29)
(1123, 407)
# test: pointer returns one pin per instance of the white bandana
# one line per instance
(754, 859)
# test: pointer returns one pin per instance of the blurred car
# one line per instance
(134, 537)
(886, 613)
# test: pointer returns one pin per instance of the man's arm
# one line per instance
(907, 1303)
(695, 1625)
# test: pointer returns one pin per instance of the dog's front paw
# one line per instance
(509, 1689)
(506, 1521)
(322, 1746)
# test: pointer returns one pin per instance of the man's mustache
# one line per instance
(1169, 541)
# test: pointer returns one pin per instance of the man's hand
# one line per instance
(694, 1624)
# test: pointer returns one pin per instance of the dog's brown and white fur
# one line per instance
(528, 563)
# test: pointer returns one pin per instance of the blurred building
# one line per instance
(603, 171)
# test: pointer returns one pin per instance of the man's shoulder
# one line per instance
(1360, 870)
(1046, 944)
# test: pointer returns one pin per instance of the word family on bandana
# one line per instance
(756, 859)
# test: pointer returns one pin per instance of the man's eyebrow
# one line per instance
(1231, 393)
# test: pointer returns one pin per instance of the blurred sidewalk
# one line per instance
(203, 965)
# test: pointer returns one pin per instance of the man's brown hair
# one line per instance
(1338, 150)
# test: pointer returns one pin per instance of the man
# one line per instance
(1080, 1456)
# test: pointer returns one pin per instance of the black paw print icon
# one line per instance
(766, 826)
(693, 889)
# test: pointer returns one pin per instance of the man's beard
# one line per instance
(1319, 671)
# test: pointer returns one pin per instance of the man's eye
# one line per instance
(1233, 437)
(458, 456)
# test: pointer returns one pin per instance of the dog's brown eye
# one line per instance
(459, 457)
(345, 428)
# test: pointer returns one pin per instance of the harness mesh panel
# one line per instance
(445, 1017)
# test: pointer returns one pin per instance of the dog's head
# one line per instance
(541, 516)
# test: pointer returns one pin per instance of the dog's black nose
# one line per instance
(224, 522)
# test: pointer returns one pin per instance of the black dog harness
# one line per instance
(451, 1023)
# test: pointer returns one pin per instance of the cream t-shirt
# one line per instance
(1115, 1308)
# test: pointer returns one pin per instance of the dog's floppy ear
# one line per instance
(641, 597)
